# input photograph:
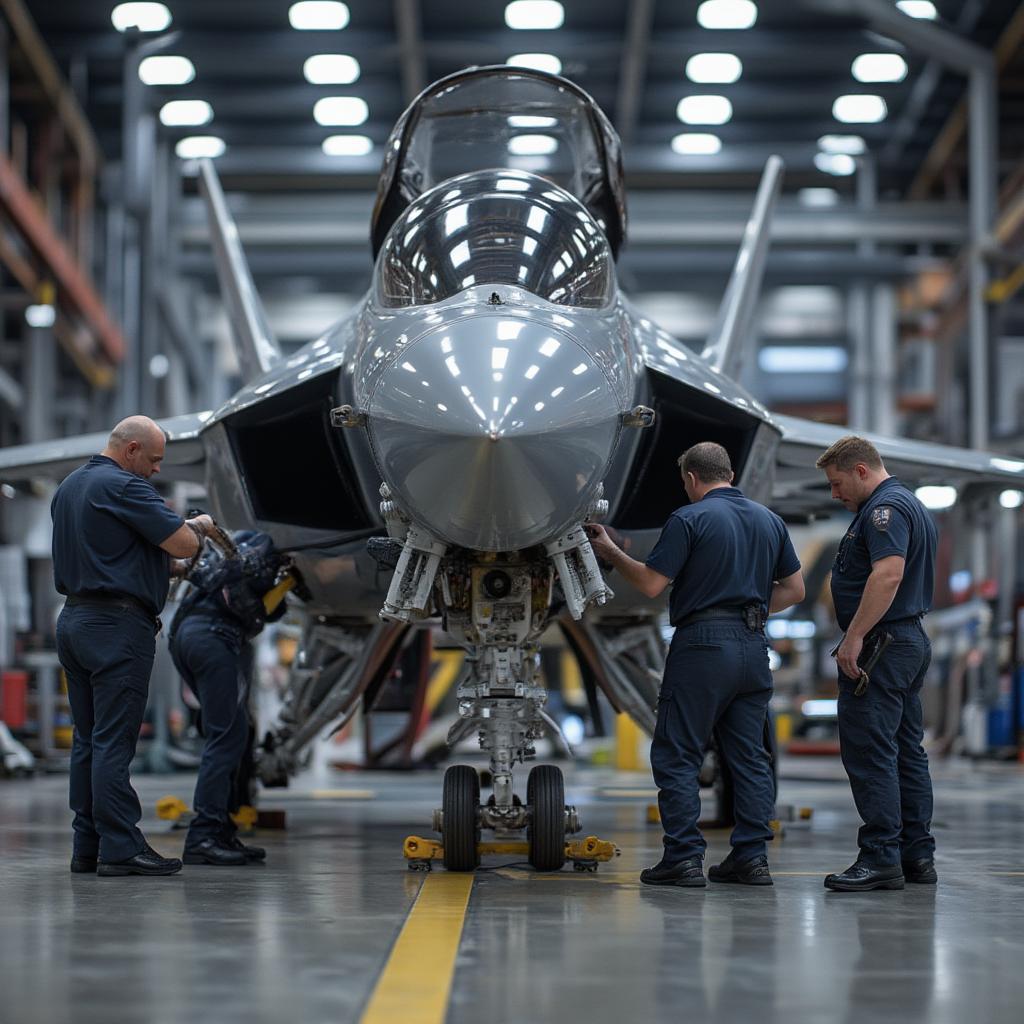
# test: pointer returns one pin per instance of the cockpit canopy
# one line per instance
(503, 117)
(493, 228)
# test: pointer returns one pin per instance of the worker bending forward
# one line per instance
(730, 561)
(229, 601)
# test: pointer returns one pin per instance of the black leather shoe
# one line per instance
(212, 851)
(749, 872)
(920, 871)
(687, 873)
(83, 865)
(862, 877)
(252, 853)
(146, 862)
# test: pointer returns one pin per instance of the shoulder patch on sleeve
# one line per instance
(881, 517)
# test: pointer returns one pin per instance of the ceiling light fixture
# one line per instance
(537, 62)
(318, 15)
(856, 108)
(531, 15)
(347, 145)
(733, 14)
(704, 110)
(696, 144)
(937, 497)
(1011, 499)
(852, 145)
(879, 67)
(918, 9)
(193, 147)
(835, 163)
(345, 111)
(817, 198)
(146, 17)
(331, 69)
(188, 113)
(716, 68)
(166, 70)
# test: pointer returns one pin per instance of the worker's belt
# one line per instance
(110, 599)
(751, 615)
(898, 622)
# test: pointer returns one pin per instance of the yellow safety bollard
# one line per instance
(627, 742)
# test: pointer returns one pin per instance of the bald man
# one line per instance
(113, 538)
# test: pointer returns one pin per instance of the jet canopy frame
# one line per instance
(500, 117)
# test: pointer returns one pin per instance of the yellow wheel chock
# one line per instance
(585, 854)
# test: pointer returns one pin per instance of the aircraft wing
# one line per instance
(53, 460)
(800, 490)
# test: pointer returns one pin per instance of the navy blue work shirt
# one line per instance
(107, 528)
(722, 550)
(891, 521)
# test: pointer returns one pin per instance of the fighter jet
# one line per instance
(433, 458)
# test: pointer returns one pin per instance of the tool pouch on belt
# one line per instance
(753, 617)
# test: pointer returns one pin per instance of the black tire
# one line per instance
(459, 806)
(545, 793)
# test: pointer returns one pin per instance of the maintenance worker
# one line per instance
(230, 600)
(113, 538)
(730, 562)
(882, 584)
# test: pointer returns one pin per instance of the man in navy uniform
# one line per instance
(230, 600)
(882, 584)
(730, 562)
(113, 537)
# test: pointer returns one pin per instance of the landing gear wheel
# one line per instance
(545, 793)
(459, 806)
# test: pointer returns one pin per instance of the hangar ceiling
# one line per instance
(632, 57)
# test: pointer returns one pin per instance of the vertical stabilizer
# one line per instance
(724, 348)
(255, 345)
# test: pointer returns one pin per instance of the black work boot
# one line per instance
(861, 877)
(212, 851)
(253, 853)
(920, 871)
(749, 872)
(688, 874)
(83, 865)
(146, 862)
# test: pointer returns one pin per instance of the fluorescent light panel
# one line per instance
(857, 108)
(534, 14)
(696, 144)
(188, 113)
(835, 163)
(1011, 499)
(717, 68)
(166, 70)
(918, 9)
(818, 197)
(879, 67)
(318, 15)
(537, 62)
(331, 69)
(146, 17)
(704, 110)
(347, 145)
(937, 497)
(852, 145)
(341, 110)
(734, 14)
(193, 147)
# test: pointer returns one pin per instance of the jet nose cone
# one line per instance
(494, 432)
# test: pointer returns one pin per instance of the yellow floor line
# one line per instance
(417, 979)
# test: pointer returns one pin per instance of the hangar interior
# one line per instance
(892, 302)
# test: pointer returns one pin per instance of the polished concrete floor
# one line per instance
(304, 939)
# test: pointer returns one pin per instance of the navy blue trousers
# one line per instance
(214, 660)
(107, 655)
(880, 737)
(716, 680)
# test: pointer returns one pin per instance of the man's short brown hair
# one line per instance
(708, 462)
(847, 452)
